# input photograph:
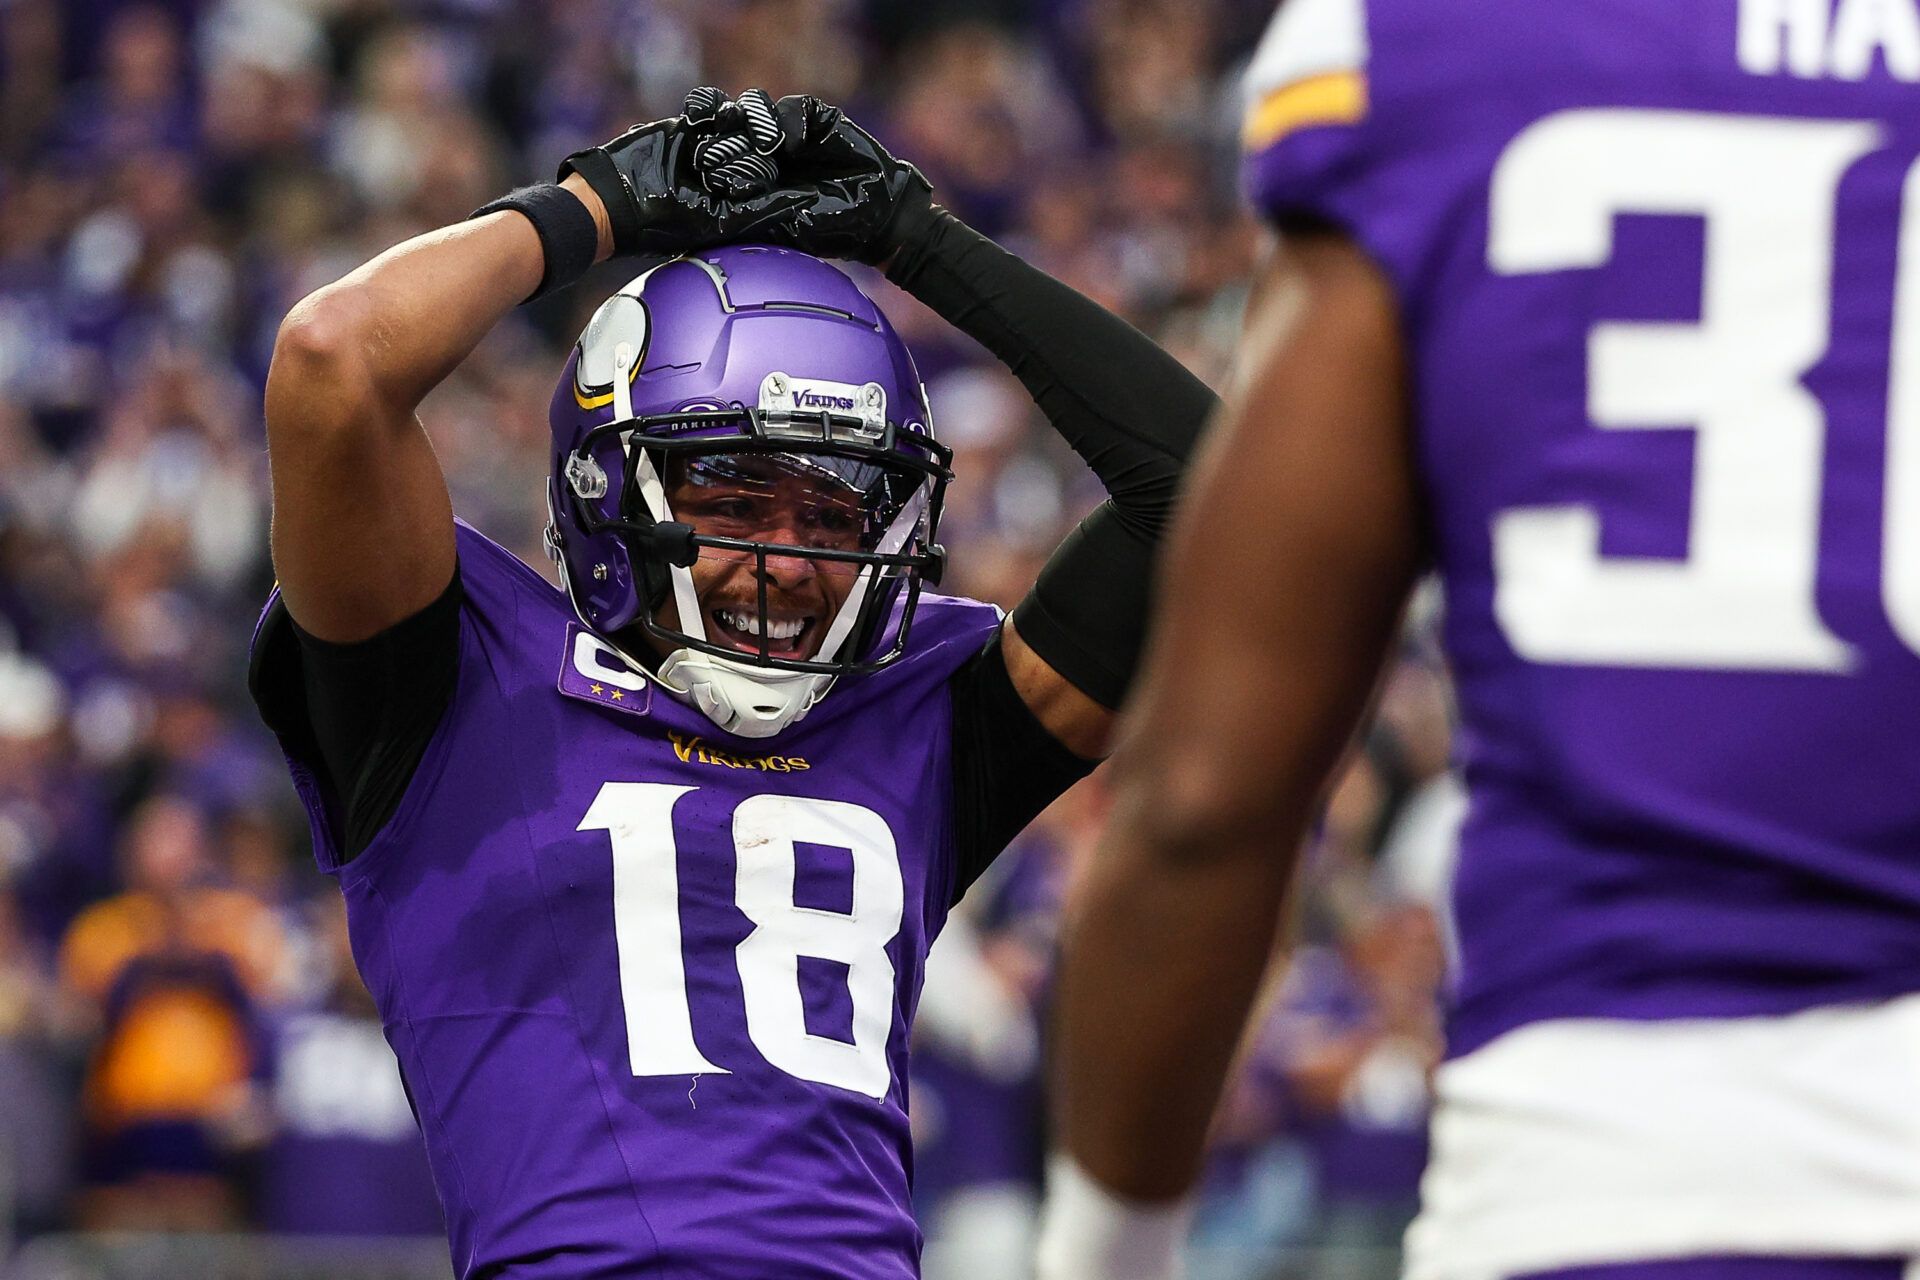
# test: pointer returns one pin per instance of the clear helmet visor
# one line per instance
(801, 555)
(817, 502)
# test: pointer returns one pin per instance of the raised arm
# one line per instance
(1283, 586)
(1127, 407)
(362, 526)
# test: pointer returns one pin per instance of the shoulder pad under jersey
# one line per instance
(1305, 129)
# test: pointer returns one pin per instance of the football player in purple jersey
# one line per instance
(1609, 312)
(642, 874)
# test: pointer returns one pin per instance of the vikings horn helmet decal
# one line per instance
(762, 392)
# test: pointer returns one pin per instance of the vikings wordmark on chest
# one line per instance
(691, 747)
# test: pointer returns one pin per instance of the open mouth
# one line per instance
(787, 636)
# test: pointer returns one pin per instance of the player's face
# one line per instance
(766, 499)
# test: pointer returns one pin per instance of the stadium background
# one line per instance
(191, 1081)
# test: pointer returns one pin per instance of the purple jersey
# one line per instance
(1658, 265)
(649, 986)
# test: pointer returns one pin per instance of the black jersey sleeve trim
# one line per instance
(1086, 616)
(359, 716)
(1006, 766)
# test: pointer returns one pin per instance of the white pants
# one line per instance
(1579, 1142)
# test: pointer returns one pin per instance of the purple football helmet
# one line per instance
(758, 380)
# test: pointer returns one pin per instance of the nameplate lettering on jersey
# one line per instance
(697, 750)
(594, 671)
(1813, 39)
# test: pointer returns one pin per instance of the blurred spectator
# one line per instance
(1151, 62)
(265, 95)
(170, 466)
(1357, 1037)
(37, 1021)
(30, 73)
(345, 1157)
(54, 838)
(784, 46)
(174, 969)
(141, 100)
(977, 112)
(1420, 835)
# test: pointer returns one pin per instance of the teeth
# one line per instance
(747, 624)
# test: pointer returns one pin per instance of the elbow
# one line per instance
(324, 336)
(320, 372)
(1191, 802)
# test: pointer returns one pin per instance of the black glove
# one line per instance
(735, 156)
(655, 198)
(859, 203)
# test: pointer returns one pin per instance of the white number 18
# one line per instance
(638, 818)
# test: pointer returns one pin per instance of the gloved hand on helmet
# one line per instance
(850, 197)
(696, 180)
(866, 204)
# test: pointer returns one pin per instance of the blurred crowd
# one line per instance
(183, 1042)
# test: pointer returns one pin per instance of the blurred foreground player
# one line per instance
(1610, 311)
(642, 875)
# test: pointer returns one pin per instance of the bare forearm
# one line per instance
(1283, 585)
(1163, 969)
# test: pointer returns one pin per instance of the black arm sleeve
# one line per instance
(1130, 409)
(1006, 766)
(362, 713)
